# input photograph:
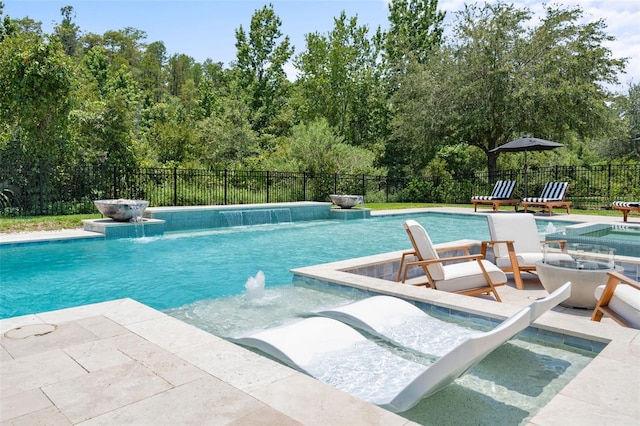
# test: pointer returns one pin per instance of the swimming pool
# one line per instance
(179, 268)
(200, 276)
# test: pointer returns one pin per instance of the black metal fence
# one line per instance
(54, 190)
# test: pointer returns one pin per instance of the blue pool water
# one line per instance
(180, 268)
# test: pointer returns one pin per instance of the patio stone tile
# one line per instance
(22, 403)
(32, 372)
(563, 411)
(172, 334)
(63, 335)
(49, 416)
(201, 402)
(97, 355)
(128, 311)
(266, 416)
(104, 390)
(9, 323)
(170, 367)
(102, 326)
(620, 392)
(307, 400)
(4, 355)
(229, 362)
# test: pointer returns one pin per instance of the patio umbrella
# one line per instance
(526, 143)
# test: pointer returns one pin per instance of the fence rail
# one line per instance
(46, 189)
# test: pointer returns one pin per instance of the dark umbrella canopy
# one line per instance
(526, 143)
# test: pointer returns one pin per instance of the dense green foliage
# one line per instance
(409, 101)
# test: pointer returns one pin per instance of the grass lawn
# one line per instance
(50, 223)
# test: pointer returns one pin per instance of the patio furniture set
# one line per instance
(517, 248)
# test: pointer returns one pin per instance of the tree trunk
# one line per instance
(492, 164)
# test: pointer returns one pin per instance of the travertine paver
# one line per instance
(102, 372)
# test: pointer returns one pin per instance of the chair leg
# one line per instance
(517, 277)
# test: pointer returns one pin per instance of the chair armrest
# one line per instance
(447, 259)
(463, 247)
(492, 242)
(561, 243)
(623, 279)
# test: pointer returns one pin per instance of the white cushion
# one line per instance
(467, 275)
(425, 249)
(625, 302)
(529, 259)
(517, 227)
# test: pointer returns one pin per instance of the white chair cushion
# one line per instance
(529, 259)
(625, 302)
(467, 275)
(517, 227)
(425, 249)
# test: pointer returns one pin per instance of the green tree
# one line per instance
(36, 82)
(316, 148)
(152, 77)
(502, 76)
(415, 29)
(67, 32)
(340, 80)
(259, 64)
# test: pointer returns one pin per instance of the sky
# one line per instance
(206, 28)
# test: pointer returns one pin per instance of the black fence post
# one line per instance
(364, 186)
(41, 185)
(175, 186)
(335, 183)
(304, 186)
(225, 187)
(115, 182)
(267, 186)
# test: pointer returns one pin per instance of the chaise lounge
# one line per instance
(325, 348)
(502, 195)
(625, 207)
(552, 197)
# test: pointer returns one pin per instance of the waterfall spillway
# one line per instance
(256, 217)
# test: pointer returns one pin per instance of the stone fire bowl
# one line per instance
(121, 210)
(345, 201)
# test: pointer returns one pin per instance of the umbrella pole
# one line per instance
(526, 175)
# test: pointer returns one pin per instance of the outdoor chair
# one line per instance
(502, 195)
(619, 299)
(552, 196)
(470, 275)
(625, 207)
(517, 245)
